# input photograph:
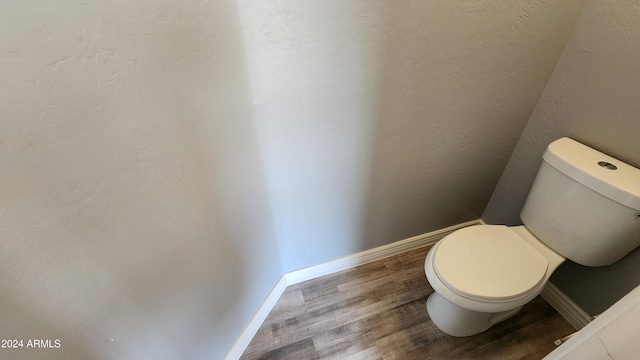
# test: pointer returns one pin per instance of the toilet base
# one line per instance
(458, 321)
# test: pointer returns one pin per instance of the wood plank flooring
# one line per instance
(377, 311)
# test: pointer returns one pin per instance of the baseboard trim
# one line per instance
(577, 317)
(331, 267)
(256, 321)
(375, 254)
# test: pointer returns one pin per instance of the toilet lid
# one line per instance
(490, 262)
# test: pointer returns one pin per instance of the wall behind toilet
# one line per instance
(383, 120)
(592, 96)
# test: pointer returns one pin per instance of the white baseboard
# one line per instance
(256, 321)
(567, 308)
(371, 255)
(331, 267)
(577, 317)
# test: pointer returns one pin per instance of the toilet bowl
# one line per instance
(483, 274)
(584, 206)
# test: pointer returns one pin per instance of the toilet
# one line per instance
(583, 206)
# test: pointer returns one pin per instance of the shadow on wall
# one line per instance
(449, 108)
(137, 224)
(314, 69)
(349, 139)
(383, 120)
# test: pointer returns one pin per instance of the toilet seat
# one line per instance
(489, 262)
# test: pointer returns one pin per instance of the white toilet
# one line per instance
(583, 206)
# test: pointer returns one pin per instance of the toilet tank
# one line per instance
(584, 204)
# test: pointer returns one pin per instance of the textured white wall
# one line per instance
(593, 96)
(133, 215)
(163, 162)
(383, 120)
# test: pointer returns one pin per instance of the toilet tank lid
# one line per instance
(600, 172)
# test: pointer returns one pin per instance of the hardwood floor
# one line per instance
(377, 311)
